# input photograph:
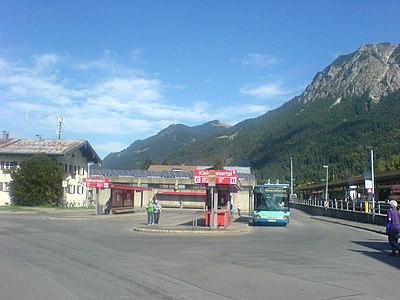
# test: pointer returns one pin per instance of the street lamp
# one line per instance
(326, 183)
(372, 182)
(291, 179)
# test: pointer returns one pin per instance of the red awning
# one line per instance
(129, 187)
(183, 193)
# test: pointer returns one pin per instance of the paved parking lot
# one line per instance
(65, 256)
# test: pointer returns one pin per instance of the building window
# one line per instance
(79, 189)
(166, 186)
(71, 189)
(81, 171)
(4, 186)
(6, 166)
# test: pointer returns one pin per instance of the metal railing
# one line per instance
(355, 206)
(195, 217)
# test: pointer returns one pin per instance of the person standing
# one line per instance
(150, 213)
(239, 208)
(393, 227)
(157, 211)
(231, 207)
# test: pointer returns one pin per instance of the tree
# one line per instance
(38, 181)
(218, 164)
(147, 163)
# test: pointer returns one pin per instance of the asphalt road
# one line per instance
(100, 258)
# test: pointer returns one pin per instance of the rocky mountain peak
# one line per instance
(373, 69)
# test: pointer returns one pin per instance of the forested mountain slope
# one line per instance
(351, 104)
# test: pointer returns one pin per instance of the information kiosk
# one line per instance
(220, 184)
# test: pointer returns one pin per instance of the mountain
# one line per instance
(353, 103)
(156, 148)
(372, 69)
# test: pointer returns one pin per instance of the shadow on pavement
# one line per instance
(380, 251)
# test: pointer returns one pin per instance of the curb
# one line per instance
(94, 217)
(192, 232)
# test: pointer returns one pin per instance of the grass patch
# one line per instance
(30, 208)
(11, 207)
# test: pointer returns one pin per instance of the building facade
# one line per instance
(73, 155)
(171, 186)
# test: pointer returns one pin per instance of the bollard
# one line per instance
(366, 208)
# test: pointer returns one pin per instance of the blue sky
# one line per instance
(118, 71)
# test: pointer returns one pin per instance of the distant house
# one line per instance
(74, 156)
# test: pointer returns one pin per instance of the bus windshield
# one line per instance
(271, 199)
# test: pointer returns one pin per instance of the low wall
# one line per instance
(355, 216)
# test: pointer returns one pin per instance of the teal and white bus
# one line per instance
(269, 204)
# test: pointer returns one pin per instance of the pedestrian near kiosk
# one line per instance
(393, 227)
(239, 208)
(231, 207)
(157, 211)
(150, 213)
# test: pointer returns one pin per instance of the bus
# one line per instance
(269, 204)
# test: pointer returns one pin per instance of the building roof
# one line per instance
(26, 147)
(182, 168)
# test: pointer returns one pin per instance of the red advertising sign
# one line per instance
(221, 176)
(96, 182)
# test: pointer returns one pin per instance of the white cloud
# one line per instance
(46, 60)
(258, 60)
(137, 54)
(102, 101)
(265, 91)
(111, 147)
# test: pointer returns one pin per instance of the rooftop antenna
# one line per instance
(60, 121)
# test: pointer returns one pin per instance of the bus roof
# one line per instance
(273, 185)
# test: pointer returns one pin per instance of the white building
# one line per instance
(74, 155)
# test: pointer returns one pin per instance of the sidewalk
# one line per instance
(364, 226)
(172, 221)
(177, 221)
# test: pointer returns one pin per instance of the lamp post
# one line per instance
(373, 183)
(326, 184)
(291, 179)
